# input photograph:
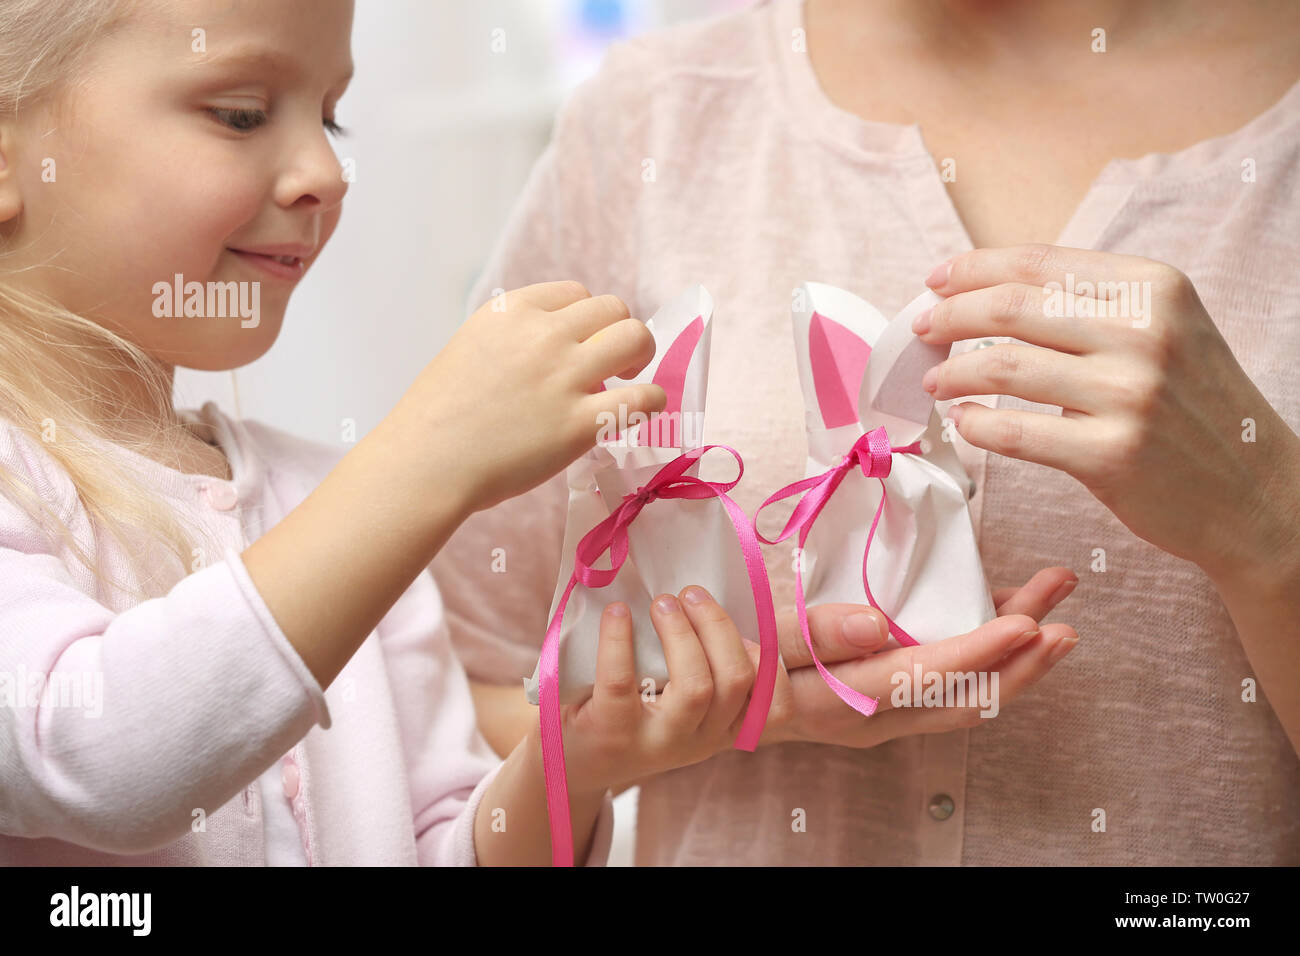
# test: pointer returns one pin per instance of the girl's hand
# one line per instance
(1155, 406)
(1012, 644)
(517, 393)
(618, 736)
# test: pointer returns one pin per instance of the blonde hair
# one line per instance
(48, 354)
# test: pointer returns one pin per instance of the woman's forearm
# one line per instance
(512, 827)
(1265, 609)
(1262, 595)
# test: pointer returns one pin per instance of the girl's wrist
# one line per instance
(579, 788)
(420, 472)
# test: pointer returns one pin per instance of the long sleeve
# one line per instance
(185, 699)
(449, 764)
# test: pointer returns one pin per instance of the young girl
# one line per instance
(183, 597)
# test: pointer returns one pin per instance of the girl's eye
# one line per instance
(245, 120)
(242, 120)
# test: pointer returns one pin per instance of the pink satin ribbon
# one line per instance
(611, 535)
(875, 455)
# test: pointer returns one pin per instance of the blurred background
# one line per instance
(443, 130)
(442, 133)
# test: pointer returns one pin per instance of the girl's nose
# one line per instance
(313, 173)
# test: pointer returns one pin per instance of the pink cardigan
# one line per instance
(188, 698)
(709, 153)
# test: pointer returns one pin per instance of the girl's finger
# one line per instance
(729, 664)
(689, 691)
(602, 407)
(1037, 596)
(780, 713)
(1051, 440)
(614, 698)
(587, 318)
(1013, 309)
(626, 346)
(1025, 371)
(551, 296)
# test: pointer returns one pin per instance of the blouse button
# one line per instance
(289, 777)
(941, 806)
(221, 496)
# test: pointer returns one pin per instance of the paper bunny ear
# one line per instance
(833, 332)
(681, 331)
(891, 393)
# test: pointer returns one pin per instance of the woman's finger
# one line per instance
(1037, 596)
(977, 650)
(1012, 309)
(985, 695)
(878, 675)
(614, 698)
(1025, 371)
(730, 666)
(686, 697)
(1037, 264)
(1052, 440)
(839, 632)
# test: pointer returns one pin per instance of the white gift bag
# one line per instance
(638, 507)
(861, 380)
(673, 542)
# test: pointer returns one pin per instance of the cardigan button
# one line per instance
(941, 806)
(221, 496)
(290, 777)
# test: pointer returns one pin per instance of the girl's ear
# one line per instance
(838, 357)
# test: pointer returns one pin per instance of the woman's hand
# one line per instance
(1012, 644)
(618, 736)
(1155, 407)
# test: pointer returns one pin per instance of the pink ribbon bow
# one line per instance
(874, 454)
(611, 535)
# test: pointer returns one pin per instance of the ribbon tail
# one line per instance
(548, 699)
(760, 699)
(864, 705)
(899, 634)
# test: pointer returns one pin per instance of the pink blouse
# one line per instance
(708, 153)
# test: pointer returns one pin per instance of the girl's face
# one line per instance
(196, 130)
